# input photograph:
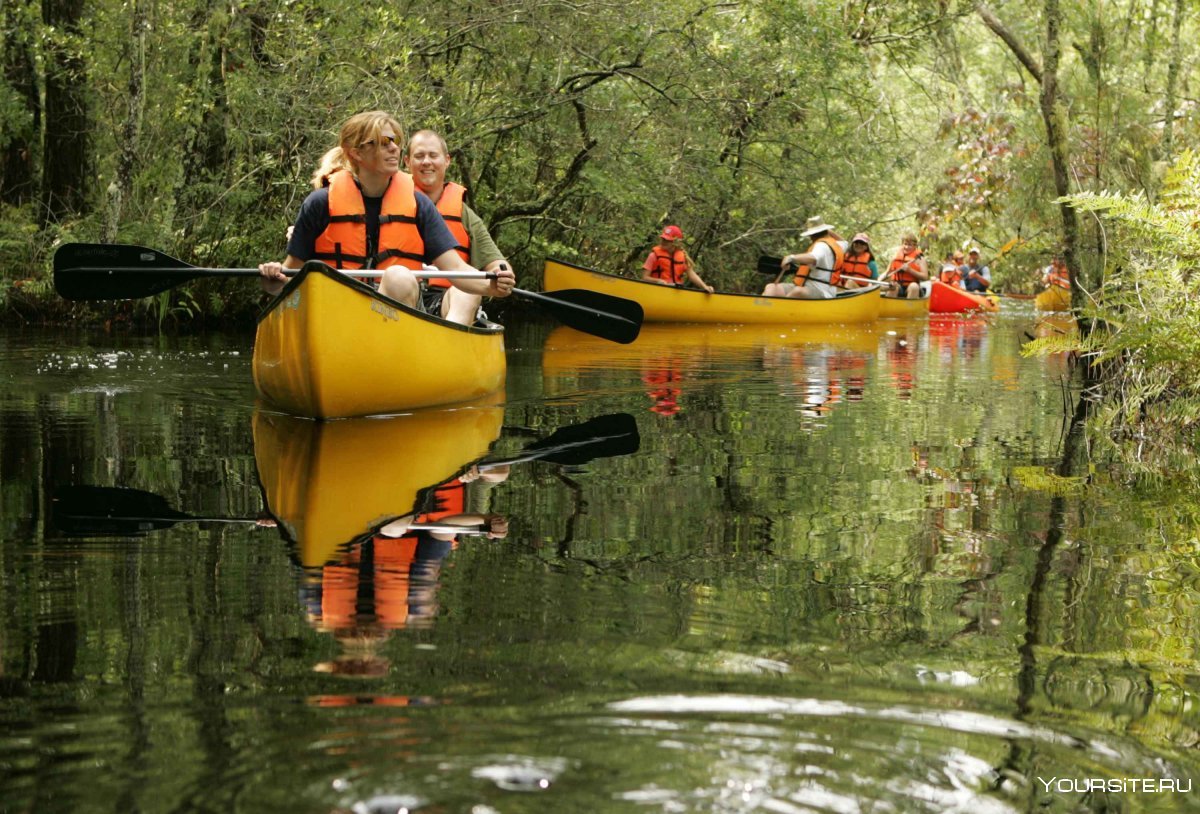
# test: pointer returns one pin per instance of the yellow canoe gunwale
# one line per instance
(667, 304)
(329, 346)
(1053, 299)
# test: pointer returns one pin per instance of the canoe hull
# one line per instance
(1054, 298)
(946, 299)
(668, 304)
(904, 308)
(332, 347)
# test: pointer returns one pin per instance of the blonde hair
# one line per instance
(354, 133)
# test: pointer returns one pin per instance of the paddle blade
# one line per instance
(106, 511)
(113, 271)
(613, 318)
(605, 436)
(769, 265)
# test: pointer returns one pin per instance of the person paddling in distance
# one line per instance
(669, 263)
(859, 264)
(820, 267)
(952, 270)
(978, 276)
(427, 158)
(1056, 274)
(907, 269)
(369, 214)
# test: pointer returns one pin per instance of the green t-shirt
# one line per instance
(483, 248)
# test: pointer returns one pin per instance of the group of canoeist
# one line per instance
(832, 264)
(365, 213)
(968, 273)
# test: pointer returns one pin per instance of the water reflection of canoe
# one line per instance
(668, 304)
(947, 299)
(569, 351)
(330, 347)
(1054, 298)
(328, 483)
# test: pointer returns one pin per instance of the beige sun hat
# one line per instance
(814, 225)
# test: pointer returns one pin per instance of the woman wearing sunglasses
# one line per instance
(365, 213)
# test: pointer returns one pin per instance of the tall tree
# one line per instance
(66, 153)
(20, 125)
(122, 185)
(1053, 116)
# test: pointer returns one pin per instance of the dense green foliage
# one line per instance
(1144, 346)
(581, 128)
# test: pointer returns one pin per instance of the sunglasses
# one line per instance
(387, 141)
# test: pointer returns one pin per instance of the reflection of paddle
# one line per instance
(116, 511)
(604, 436)
(103, 271)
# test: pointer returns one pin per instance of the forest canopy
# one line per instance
(581, 128)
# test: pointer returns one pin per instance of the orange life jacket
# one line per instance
(899, 260)
(855, 265)
(670, 267)
(343, 244)
(1059, 276)
(391, 566)
(835, 274)
(951, 275)
(451, 207)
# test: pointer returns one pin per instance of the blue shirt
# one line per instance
(314, 219)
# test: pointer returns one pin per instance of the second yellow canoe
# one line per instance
(669, 304)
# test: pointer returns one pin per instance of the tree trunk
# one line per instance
(1168, 137)
(66, 154)
(18, 181)
(207, 144)
(1056, 135)
(122, 185)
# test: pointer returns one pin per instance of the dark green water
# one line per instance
(838, 574)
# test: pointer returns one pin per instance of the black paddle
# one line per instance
(104, 511)
(115, 271)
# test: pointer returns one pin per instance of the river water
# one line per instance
(720, 570)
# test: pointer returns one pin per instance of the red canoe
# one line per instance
(946, 299)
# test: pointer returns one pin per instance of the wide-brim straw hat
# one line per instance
(814, 225)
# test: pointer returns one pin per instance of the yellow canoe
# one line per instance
(903, 308)
(331, 347)
(669, 304)
(329, 482)
(1054, 298)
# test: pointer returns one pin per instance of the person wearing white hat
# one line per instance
(978, 276)
(819, 269)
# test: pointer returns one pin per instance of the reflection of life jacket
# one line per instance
(668, 266)
(664, 395)
(451, 207)
(343, 244)
(951, 275)
(388, 570)
(855, 265)
(1058, 276)
(902, 257)
(832, 276)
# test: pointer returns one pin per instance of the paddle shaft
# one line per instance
(196, 271)
(474, 528)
